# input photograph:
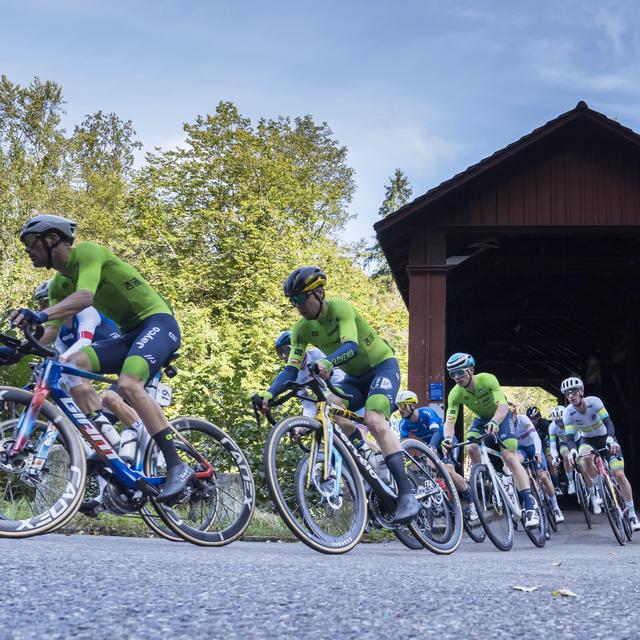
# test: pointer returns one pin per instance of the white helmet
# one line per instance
(42, 290)
(557, 412)
(571, 384)
(44, 222)
(406, 397)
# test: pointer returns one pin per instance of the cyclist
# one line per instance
(481, 393)
(423, 423)
(530, 448)
(557, 435)
(372, 372)
(311, 355)
(542, 427)
(589, 415)
(91, 275)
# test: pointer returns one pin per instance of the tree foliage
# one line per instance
(215, 226)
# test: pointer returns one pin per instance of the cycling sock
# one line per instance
(591, 491)
(630, 508)
(466, 495)
(554, 503)
(395, 464)
(554, 479)
(164, 440)
(527, 499)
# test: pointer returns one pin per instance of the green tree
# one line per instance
(396, 194)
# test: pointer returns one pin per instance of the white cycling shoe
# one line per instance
(595, 505)
(532, 519)
(473, 514)
(635, 525)
(558, 515)
(571, 489)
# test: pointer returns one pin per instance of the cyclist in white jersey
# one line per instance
(559, 448)
(530, 448)
(589, 415)
(283, 347)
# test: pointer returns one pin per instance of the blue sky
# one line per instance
(430, 87)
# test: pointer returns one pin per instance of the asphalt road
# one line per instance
(58, 586)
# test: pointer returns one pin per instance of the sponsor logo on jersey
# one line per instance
(131, 284)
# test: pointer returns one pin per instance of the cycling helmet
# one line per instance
(282, 341)
(303, 280)
(557, 412)
(46, 222)
(571, 384)
(460, 361)
(406, 397)
(42, 290)
(533, 412)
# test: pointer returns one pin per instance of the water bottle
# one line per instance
(128, 444)
(109, 432)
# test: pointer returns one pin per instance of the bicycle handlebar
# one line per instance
(36, 347)
(475, 440)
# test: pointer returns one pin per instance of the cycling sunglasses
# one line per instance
(30, 239)
(299, 299)
(457, 373)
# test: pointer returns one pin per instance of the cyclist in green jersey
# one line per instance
(481, 393)
(372, 372)
(91, 275)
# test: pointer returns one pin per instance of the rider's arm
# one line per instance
(569, 429)
(453, 406)
(295, 361)
(537, 443)
(50, 334)
(611, 430)
(552, 444)
(502, 408)
(501, 413)
(88, 320)
(288, 374)
(70, 305)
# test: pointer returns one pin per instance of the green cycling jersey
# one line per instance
(483, 401)
(340, 323)
(120, 292)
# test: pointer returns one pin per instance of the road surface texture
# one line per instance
(58, 586)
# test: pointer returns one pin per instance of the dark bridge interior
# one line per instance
(537, 307)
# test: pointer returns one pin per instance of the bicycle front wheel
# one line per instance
(438, 525)
(582, 496)
(327, 514)
(537, 534)
(38, 494)
(216, 509)
(491, 506)
(551, 516)
(612, 508)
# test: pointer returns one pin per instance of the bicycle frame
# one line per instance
(512, 503)
(48, 386)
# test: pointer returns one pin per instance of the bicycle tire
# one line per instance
(282, 459)
(67, 453)
(407, 538)
(483, 491)
(551, 516)
(582, 496)
(477, 533)
(613, 511)
(438, 525)
(628, 530)
(227, 498)
(536, 534)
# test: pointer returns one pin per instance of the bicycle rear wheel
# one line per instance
(38, 496)
(328, 515)
(612, 508)
(548, 509)
(537, 534)
(407, 538)
(474, 529)
(582, 496)
(215, 510)
(438, 525)
(491, 506)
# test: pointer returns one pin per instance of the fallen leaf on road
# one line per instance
(612, 553)
(556, 564)
(565, 592)
(519, 587)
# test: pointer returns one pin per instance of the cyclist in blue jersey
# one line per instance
(423, 423)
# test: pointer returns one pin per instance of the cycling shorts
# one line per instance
(506, 433)
(141, 352)
(529, 452)
(376, 390)
(616, 463)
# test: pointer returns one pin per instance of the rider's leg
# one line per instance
(82, 392)
(520, 477)
(113, 402)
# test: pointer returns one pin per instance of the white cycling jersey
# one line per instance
(590, 423)
(337, 375)
(527, 434)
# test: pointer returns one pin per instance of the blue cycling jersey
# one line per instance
(106, 329)
(428, 426)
